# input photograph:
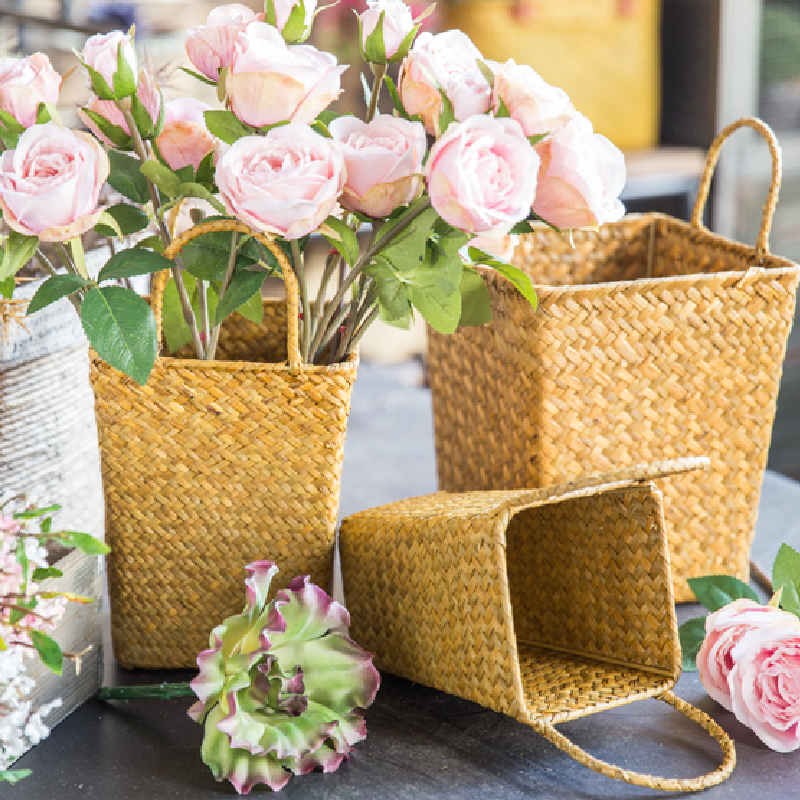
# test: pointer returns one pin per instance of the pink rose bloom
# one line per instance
(397, 23)
(185, 138)
(765, 685)
(724, 629)
(50, 183)
(148, 94)
(100, 53)
(384, 162)
(210, 46)
(482, 175)
(26, 82)
(531, 101)
(581, 177)
(445, 61)
(286, 182)
(271, 81)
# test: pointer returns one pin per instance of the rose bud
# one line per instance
(384, 162)
(397, 30)
(580, 179)
(210, 46)
(49, 185)
(279, 13)
(482, 175)
(100, 53)
(185, 138)
(270, 81)
(26, 82)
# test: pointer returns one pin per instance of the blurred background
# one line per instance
(658, 77)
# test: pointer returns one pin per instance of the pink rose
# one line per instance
(185, 138)
(283, 9)
(271, 81)
(384, 162)
(397, 24)
(210, 46)
(100, 53)
(724, 629)
(535, 104)
(581, 177)
(148, 94)
(286, 182)
(447, 61)
(50, 184)
(26, 82)
(482, 175)
(765, 685)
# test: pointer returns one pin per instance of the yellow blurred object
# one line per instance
(603, 53)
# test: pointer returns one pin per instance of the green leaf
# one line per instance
(196, 190)
(523, 226)
(537, 138)
(177, 332)
(327, 116)
(162, 177)
(341, 237)
(716, 591)
(145, 124)
(447, 114)
(205, 170)
(294, 30)
(476, 306)
(253, 309)
(43, 573)
(786, 575)
(7, 286)
(374, 47)
(486, 71)
(124, 78)
(99, 85)
(395, 95)
(691, 635)
(185, 173)
(514, 274)
(18, 252)
(227, 127)
(406, 249)
(206, 257)
(367, 90)
(394, 307)
(42, 114)
(48, 650)
(270, 15)
(549, 224)
(199, 76)
(35, 513)
(405, 45)
(130, 219)
(151, 242)
(127, 178)
(122, 329)
(10, 123)
(17, 614)
(114, 133)
(441, 310)
(133, 261)
(502, 109)
(14, 775)
(87, 544)
(244, 285)
(53, 289)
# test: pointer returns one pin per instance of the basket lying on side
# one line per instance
(211, 465)
(653, 338)
(545, 604)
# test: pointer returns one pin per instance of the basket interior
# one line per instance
(639, 246)
(592, 605)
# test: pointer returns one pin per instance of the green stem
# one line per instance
(355, 305)
(327, 274)
(202, 307)
(363, 329)
(332, 329)
(183, 296)
(299, 271)
(160, 691)
(226, 282)
(378, 71)
(354, 323)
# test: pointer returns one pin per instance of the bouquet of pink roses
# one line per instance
(748, 654)
(472, 151)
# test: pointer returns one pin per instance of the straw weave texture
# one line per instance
(545, 605)
(615, 369)
(209, 466)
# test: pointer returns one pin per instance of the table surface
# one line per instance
(421, 743)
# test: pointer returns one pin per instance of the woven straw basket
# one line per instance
(653, 339)
(211, 465)
(545, 604)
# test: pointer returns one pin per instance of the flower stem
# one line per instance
(331, 332)
(379, 71)
(363, 328)
(226, 282)
(327, 274)
(186, 305)
(158, 691)
(300, 272)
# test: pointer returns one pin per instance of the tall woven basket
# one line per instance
(211, 465)
(546, 605)
(653, 339)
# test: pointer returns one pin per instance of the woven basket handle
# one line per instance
(228, 225)
(653, 781)
(762, 244)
